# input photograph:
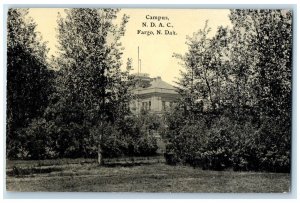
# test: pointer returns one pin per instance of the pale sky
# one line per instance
(155, 50)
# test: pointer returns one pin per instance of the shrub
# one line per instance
(187, 144)
(217, 151)
(273, 141)
(35, 142)
(170, 155)
(146, 146)
(135, 141)
(222, 143)
(113, 145)
(137, 133)
(244, 148)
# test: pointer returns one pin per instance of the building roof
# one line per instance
(159, 83)
(156, 87)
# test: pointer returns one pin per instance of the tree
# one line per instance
(28, 78)
(266, 38)
(91, 89)
(205, 70)
(262, 58)
(244, 76)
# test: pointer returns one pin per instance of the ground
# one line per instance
(152, 176)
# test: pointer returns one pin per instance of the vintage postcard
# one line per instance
(149, 100)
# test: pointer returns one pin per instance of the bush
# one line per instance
(137, 133)
(273, 139)
(170, 155)
(35, 142)
(113, 144)
(146, 146)
(187, 144)
(217, 151)
(119, 140)
(225, 143)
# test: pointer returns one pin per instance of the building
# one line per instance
(152, 94)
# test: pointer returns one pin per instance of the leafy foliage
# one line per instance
(28, 77)
(87, 112)
(91, 90)
(236, 95)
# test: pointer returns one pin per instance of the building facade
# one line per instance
(152, 94)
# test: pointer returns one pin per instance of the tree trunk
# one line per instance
(209, 92)
(100, 159)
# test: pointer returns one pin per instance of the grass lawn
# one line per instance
(86, 176)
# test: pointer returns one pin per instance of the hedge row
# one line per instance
(229, 144)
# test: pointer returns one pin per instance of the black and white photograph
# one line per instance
(148, 100)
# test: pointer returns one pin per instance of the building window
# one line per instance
(149, 105)
(146, 105)
(172, 104)
(133, 106)
(163, 105)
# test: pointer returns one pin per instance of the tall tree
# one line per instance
(205, 70)
(267, 61)
(262, 55)
(90, 85)
(245, 71)
(28, 79)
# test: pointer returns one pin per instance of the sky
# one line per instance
(144, 30)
